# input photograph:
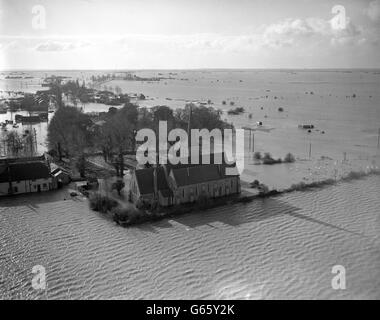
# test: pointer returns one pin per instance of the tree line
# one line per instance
(74, 134)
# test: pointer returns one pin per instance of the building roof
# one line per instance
(200, 174)
(214, 159)
(59, 170)
(196, 175)
(3, 173)
(145, 181)
(22, 160)
(24, 171)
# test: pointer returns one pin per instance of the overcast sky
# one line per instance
(146, 34)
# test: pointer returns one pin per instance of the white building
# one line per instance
(24, 177)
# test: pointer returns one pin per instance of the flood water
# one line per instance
(284, 247)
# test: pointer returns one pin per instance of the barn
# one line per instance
(24, 177)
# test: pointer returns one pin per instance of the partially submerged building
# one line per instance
(209, 180)
(27, 176)
(61, 177)
(183, 183)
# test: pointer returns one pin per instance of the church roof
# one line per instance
(145, 180)
(199, 174)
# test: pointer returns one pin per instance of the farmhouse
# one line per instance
(24, 177)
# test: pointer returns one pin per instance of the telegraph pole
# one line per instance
(310, 150)
(250, 135)
(251, 143)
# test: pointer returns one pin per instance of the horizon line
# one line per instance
(191, 69)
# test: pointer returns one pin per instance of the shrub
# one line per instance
(223, 102)
(289, 158)
(267, 156)
(118, 186)
(281, 109)
(298, 186)
(255, 184)
(145, 204)
(267, 159)
(354, 175)
(263, 189)
(126, 214)
(305, 186)
(101, 203)
(257, 156)
(236, 111)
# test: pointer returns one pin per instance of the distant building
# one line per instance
(60, 176)
(81, 185)
(31, 119)
(24, 177)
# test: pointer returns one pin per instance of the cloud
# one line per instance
(294, 32)
(51, 46)
(298, 36)
(289, 32)
(286, 33)
(373, 10)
